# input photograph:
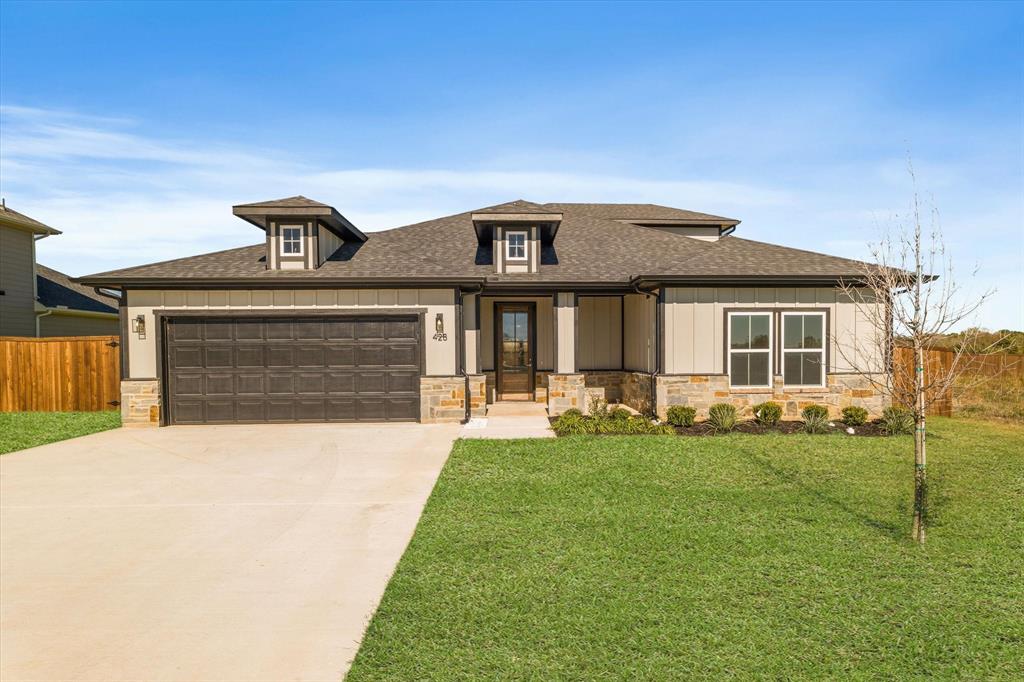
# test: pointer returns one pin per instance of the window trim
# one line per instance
(302, 246)
(823, 350)
(508, 245)
(770, 351)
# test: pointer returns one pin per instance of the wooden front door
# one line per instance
(515, 350)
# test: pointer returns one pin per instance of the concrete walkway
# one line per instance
(207, 552)
(511, 420)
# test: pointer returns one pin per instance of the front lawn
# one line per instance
(20, 430)
(735, 556)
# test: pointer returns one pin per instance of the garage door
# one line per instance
(225, 370)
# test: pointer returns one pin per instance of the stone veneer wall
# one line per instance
(565, 391)
(540, 389)
(603, 385)
(442, 399)
(140, 402)
(636, 391)
(701, 391)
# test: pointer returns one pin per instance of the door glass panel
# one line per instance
(515, 375)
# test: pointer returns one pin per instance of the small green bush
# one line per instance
(598, 409)
(818, 411)
(681, 415)
(768, 414)
(722, 417)
(855, 416)
(618, 414)
(815, 422)
(572, 423)
(897, 421)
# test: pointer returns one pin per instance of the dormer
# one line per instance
(301, 233)
(516, 233)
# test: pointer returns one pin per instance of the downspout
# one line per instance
(39, 316)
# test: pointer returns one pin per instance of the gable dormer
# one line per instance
(516, 232)
(301, 233)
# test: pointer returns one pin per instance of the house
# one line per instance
(558, 303)
(38, 301)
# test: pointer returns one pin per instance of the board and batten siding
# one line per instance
(18, 282)
(600, 332)
(440, 355)
(638, 333)
(544, 335)
(695, 329)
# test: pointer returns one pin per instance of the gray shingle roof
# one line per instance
(588, 248)
(10, 216)
(56, 290)
(298, 201)
(640, 212)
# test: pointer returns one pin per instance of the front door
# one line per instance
(515, 351)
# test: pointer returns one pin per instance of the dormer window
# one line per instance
(291, 240)
(515, 246)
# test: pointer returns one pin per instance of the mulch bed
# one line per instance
(872, 429)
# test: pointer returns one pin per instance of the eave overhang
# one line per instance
(262, 215)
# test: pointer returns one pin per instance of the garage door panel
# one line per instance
(340, 356)
(251, 384)
(301, 369)
(280, 383)
(220, 384)
(403, 382)
(371, 356)
(219, 357)
(187, 384)
(280, 356)
(249, 356)
(403, 355)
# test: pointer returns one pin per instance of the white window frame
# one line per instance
(824, 345)
(508, 244)
(302, 246)
(729, 350)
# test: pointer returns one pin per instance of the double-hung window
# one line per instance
(515, 246)
(750, 350)
(291, 240)
(803, 349)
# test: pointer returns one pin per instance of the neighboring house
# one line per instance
(558, 303)
(71, 309)
(38, 301)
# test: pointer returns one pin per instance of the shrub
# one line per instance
(681, 415)
(618, 414)
(768, 414)
(815, 421)
(897, 421)
(598, 409)
(818, 411)
(722, 417)
(854, 416)
(572, 423)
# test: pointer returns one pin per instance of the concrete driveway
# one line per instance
(205, 552)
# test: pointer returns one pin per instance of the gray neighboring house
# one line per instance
(558, 303)
(38, 301)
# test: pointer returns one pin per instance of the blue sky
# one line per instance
(135, 127)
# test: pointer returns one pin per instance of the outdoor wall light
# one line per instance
(439, 323)
(139, 326)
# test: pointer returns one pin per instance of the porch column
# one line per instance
(566, 388)
(566, 330)
(476, 383)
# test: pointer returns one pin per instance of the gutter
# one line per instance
(39, 316)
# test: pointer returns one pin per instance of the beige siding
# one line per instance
(638, 334)
(472, 332)
(545, 332)
(64, 324)
(565, 319)
(695, 324)
(18, 282)
(440, 355)
(328, 243)
(600, 332)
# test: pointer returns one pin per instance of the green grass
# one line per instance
(20, 430)
(775, 557)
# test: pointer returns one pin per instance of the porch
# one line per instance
(560, 349)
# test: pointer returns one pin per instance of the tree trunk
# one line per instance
(920, 460)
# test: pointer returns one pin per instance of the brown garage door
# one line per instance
(223, 370)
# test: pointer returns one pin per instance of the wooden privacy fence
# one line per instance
(59, 374)
(939, 361)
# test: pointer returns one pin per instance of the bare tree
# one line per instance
(909, 292)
